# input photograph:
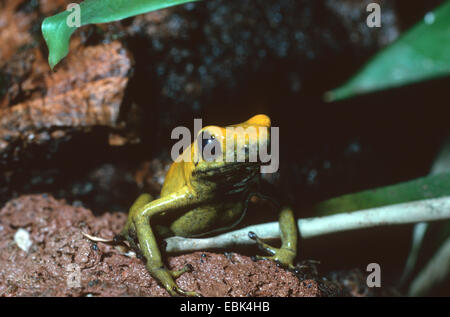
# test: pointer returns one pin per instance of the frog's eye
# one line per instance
(207, 139)
(209, 146)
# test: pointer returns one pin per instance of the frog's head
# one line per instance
(230, 156)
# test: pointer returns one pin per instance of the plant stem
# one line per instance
(435, 272)
(406, 213)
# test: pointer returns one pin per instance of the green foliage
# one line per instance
(57, 32)
(432, 186)
(420, 54)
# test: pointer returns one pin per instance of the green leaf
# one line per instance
(432, 186)
(57, 32)
(420, 54)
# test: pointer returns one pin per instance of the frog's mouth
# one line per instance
(225, 169)
(234, 174)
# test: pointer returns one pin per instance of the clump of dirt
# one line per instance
(62, 262)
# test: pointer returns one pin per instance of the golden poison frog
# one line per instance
(201, 196)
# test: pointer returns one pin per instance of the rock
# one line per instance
(14, 28)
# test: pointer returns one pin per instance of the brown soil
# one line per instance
(58, 249)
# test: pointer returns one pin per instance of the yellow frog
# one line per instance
(202, 195)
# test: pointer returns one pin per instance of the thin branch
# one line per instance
(406, 213)
(418, 236)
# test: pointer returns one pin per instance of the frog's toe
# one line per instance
(176, 291)
(188, 293)
(261, 244)
(187, 268)
(282, 256)
(166, 278)
(179, 291)
(279, 260)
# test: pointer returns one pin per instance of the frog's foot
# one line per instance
(166, 277)
(282, 256)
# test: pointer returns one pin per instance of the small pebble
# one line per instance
(22, 239)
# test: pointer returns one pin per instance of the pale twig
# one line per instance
(418, 236)
(406, 213)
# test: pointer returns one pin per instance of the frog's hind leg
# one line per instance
(286, 254)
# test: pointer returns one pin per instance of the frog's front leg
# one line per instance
(139, 228)
(286, 254)
(129, 231)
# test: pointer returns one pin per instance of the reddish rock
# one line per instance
(83, 93)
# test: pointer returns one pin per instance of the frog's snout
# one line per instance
(260, 120)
